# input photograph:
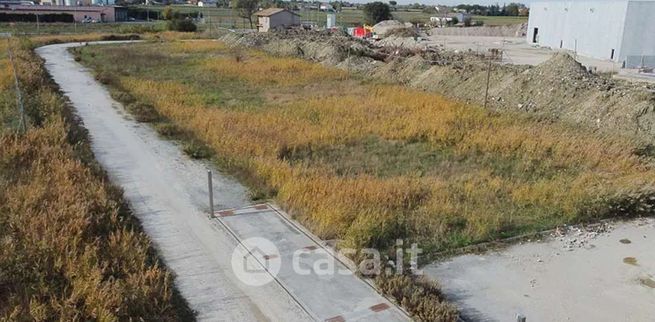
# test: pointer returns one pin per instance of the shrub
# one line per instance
(421, 297)
(167, 13)
(182, 25)
(143, 112)
(197, 150)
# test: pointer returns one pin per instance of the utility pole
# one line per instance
(486, 91)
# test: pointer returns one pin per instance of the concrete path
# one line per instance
(579, 276)
(167, 192)
(325, 286)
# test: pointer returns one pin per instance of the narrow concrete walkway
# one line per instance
(325, 286)
(167, 192)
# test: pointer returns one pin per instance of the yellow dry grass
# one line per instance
(6, 81)
(68, 249)
(281, 71)
(505, 173)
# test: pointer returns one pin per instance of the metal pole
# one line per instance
(486, 91)
(211, 193)
(74, 17)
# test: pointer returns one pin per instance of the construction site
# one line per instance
(295, 171)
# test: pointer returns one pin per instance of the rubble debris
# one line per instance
(560, 88)
(580, 236)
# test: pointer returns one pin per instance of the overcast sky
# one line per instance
(450, 2)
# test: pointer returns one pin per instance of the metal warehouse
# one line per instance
(618, 30)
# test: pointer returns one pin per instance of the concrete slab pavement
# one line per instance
(326, 287)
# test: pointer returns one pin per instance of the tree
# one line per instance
(512, 9)
(375, 12)
(393, 3)
(223, 4)
(245, 8)
(167, 13)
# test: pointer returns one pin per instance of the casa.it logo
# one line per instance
(256, 261)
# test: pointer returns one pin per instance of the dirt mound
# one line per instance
(560, 88)
(402, 32)
(382, 28)
(518, 30)
(563, 66)
(324, 47)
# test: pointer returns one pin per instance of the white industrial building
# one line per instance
(618, 30)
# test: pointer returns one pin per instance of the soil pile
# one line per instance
(560, 88)
(382, 28)
(518, 30)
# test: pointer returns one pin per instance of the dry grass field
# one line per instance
(69, 249)
(367, 162)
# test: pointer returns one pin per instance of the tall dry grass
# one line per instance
(69, 250)
(498, 174)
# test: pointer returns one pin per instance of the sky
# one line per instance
(452, 2)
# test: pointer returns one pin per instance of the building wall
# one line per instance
(263, 24)
(98, 13)
(593, 28)
(284, 19)
(639, 33)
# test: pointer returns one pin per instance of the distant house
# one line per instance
(206, 3)
(462, 16)
(276, 18)
(78, 13)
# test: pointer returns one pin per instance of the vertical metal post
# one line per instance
(75, 17)
(211, 193)
(209, 17)
(486, 91)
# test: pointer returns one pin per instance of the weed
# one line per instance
(143, 112)
(168, 130)
(197, 150)
(70, 249)
(368, 163)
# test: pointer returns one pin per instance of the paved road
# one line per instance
(167, 192)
